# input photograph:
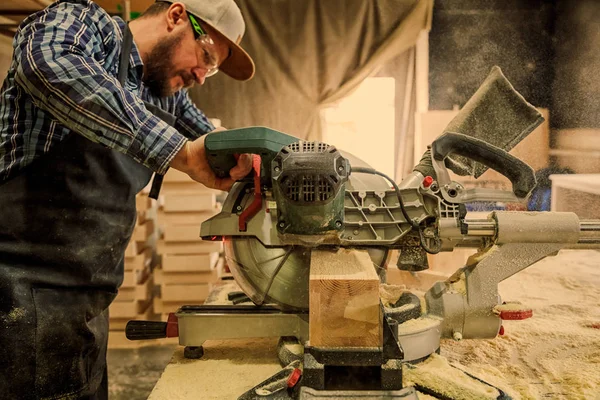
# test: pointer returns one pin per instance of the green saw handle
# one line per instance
(518, 172)
(222, 146)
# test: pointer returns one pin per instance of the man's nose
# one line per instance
(199, 75)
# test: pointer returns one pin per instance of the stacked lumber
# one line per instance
(134, 299)
(189, 264)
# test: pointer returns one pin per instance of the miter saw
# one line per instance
(308, 196)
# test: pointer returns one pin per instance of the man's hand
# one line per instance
(192, 160)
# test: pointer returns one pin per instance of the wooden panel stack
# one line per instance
(344, 300)
(134, 299)
(578, 193)
(577, 149)
(188, 267)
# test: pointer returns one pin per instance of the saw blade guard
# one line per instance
(280, 274)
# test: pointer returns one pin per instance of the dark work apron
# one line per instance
(65, 222)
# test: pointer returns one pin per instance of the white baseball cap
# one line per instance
(225, 17)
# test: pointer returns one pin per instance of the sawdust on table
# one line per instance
(556, 353)
(437, 374)
(227, 369)
(417, 325)
(390, 294)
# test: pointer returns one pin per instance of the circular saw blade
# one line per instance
(270, 275)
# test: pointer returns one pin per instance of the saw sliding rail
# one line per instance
(589, 231)
(200, 323)
(196, 324)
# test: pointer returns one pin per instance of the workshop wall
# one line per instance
(309, 55)
(468, 37)
(576, 85)
(546, 48)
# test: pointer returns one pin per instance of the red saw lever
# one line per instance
(256, 204)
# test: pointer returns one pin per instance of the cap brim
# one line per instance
(239, 65)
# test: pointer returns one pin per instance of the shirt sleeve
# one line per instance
(59, 65)
(190, 120)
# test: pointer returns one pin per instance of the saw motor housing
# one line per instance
(308, 180)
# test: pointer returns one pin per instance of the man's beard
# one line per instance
(159, 68)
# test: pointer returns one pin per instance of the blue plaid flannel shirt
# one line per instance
(63, 80)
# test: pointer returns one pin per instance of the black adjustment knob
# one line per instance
(140, 330)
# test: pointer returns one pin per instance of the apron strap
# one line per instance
(165, 116)
(125, 53)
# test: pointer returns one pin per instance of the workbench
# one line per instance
(228, 368)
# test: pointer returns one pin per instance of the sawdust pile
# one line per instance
(555, 354)
(227, 369)
(437, 373)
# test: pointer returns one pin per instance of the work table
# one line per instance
(228, 369)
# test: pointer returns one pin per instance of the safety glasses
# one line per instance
(210, 56)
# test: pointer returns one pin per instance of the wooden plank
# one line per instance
(125, 294)
(422, 280)
(568, 142)
(143, 202)
(118, 324)
(182, 233)
(140, 261)
(129, 278)
(589, 183)
(422, 71)
(164, 307)
(189, 263)
(578, 193)
(191, 187)
(174, 175)
(143, 291)
(143, 231)
(133, 249)
(168, 278)
(196, 218)
(344, 308)
(135, 277)
(128, 309)
(578, 139)
(201, 247)
(189, 202)
(184, 292)
(176, 181)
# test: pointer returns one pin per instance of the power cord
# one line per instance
(413, 224)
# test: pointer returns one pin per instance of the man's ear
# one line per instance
(176, 15)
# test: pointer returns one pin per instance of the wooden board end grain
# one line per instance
(344, 308)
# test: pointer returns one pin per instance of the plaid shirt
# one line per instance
(63, 79)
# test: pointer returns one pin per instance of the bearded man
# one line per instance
(90, 109)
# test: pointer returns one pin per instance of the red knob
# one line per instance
(427, 181)
(294, 377)
(516, 314)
